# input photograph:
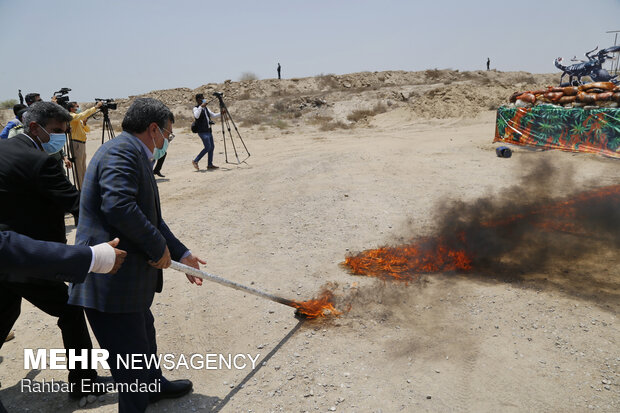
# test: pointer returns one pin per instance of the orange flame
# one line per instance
(322, 306)
(407, 261)
(432, 255)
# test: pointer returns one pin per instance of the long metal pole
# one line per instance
(617, 56)
(205, 275)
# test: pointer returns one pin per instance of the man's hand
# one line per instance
(99, 104)
(67, 162)
(107, 259)
(120, 255)
(163, 262)
(192, 261)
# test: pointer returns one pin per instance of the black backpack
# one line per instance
(194, 126)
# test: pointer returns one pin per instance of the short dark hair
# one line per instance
(43, 112)
(18, 107)
(143, 112)
(199, 97)
(31, 98)
(70, 105)
(20, 114)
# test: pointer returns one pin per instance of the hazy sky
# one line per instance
(114, 48)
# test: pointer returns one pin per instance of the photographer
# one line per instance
(202, 126)
(78, 136)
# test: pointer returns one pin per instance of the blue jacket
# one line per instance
(120, 199)
(10, 125)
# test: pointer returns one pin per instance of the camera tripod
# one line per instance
(71, 155)
(107, 125)
(228, 120)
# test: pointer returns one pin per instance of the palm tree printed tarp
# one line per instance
(568, 129)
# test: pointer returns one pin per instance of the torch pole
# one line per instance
(206, 276)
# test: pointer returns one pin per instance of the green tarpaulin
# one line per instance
(569, 129)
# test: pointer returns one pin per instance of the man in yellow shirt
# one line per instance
(78, 137)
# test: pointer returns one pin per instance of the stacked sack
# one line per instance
(599, 94)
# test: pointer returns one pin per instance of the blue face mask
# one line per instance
(157, 152)
(56, 142)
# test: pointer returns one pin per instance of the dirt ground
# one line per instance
(284, 222)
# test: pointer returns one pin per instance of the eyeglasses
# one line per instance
(170, 134)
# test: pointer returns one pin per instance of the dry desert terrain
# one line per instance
(341, 164)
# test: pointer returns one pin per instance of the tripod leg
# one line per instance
(222, 107)
(70, 155)
(239, 135)
(107, 127)
(76, 176)
(229, 118)
(232, 141)
(225, 120)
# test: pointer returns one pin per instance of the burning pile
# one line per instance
(322, 306)
(485, 236)
(406, 261)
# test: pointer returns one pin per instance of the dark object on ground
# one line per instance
(174, 389)
(503, 152)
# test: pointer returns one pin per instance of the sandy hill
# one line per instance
(339, 101)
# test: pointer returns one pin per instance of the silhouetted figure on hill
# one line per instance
(488, 63)
(279, 70)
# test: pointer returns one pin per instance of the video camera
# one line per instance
(107, 104)
(62, 96)
(218, 94)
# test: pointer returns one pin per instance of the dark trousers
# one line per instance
(209, 147)
(159, 164)
(51, 297)
(122, 334)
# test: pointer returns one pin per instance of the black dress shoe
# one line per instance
(97, 390)
(159, 174)
(171, 390)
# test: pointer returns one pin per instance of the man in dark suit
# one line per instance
(120, 199)
(25, 257)
(34, 197)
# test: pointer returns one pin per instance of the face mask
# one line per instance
(78, 110)
(56, 142)
(157, 152)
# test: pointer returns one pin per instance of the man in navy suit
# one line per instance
(34, 197)
(26, 257)
(23, 256)
(120, 199)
